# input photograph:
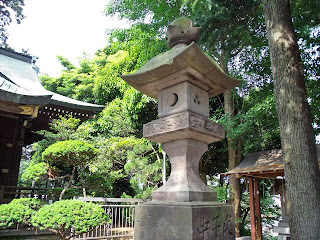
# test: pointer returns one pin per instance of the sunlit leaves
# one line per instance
(63, 216)
(36, 171)
(18, 211)
(70, 152)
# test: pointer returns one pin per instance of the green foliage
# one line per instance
(222, 192)
(73, 82)
(252, 125)
(160, 13)
(141, 109)
(70, 152)
(141, 42)
(98, 80)
(113, 153)
(134, 161)
(107, 84)
(114, 121)
(70, 193)
(234, 34)
(102, 185)
(144, 167)
(65, 63)
(50, 83)
(18, 211)
(36, 172)
(62, 216)
(110, 135)
(7, 8)
(225, 26)
(63, 128)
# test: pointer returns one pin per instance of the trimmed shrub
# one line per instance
(66, 215)
(18, 211)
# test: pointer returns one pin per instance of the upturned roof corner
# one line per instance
(19, 83)
(184, 62)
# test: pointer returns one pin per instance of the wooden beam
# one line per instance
(266, 174)
(14, 108)
(252, 209)
(258, 209)
(9, 107)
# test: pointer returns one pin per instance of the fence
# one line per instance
(121, 212)
(7, 193)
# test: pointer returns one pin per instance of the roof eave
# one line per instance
(24, 99)
(96, 109)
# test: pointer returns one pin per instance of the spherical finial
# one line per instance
(182, 31)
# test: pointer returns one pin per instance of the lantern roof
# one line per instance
(184, 62)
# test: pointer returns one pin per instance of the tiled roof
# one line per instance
(261, 163)
(19, 83)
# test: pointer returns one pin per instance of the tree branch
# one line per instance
(62, 177)
(69, 183)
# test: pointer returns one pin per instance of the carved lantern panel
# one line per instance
(183, 97)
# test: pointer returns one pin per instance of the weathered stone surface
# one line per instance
(184, 183)
(181, 63)
(183, 125)
(182, 31)
(183, 97)
(184, 221)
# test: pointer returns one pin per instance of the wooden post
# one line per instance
(258, 208)
(252, 209)
(2, 190)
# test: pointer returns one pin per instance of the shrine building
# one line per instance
(26, 107)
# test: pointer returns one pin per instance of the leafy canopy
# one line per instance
(70, 152)
(18, 211)
(36, 172)
(7, 8)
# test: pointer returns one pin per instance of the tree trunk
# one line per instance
(234, 154)
(297, 136)
(69, 183)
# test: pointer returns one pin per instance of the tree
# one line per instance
(129, 161)
(297, 136)
(7, 8)
(144, 167)
(102, 176)
(65, 216)
(67, 64)
(98, 80)
(73, 153)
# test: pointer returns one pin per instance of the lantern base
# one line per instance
(159, 220)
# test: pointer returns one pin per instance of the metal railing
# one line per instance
(121, 212)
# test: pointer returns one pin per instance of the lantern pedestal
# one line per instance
(160, 220)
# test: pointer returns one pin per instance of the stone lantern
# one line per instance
(183, 79)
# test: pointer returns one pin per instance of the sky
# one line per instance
(61, 27)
